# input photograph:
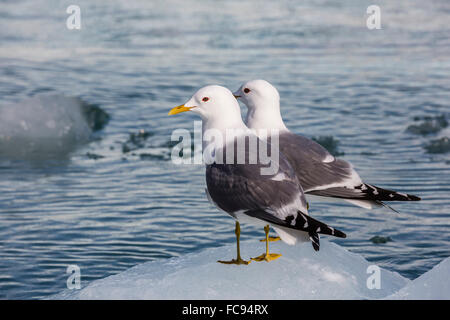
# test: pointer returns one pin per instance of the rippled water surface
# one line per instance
(106, 208)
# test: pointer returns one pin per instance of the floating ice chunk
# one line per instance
(432, 285)
(46, 124)
(301, 273)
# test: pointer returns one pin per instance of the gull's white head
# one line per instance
(263, 103)
(214, 104)
(258, 94)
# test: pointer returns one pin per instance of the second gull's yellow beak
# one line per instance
(179, 109)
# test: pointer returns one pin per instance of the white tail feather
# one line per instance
(291, 236)
(366, 204)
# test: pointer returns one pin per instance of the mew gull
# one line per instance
(319, 172)
(241, 189)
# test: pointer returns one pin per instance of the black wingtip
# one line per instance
(315, 240)
(313, 226)
(374, 193)
(414, 198)
(339, 234)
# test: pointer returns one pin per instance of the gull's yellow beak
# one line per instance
(179, 109)
(236, 96)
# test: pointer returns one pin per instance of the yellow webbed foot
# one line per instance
(271, 239)
(267, 257)
(235, 261)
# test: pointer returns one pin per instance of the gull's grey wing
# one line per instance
(315, 167)
(242, 187)
(276, 199)
(273, 201)
(322, 174)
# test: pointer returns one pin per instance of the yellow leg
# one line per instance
(267, 256)
(238, 260)
(271, 239)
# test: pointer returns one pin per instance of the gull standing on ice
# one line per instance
(319, 172)
(242, 190)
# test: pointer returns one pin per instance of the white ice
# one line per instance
(42, 124)
(301, 273)
(432, 285)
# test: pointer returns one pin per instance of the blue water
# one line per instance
(138, 59)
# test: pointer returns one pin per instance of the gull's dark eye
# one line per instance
(205, 99)
(246, 90)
